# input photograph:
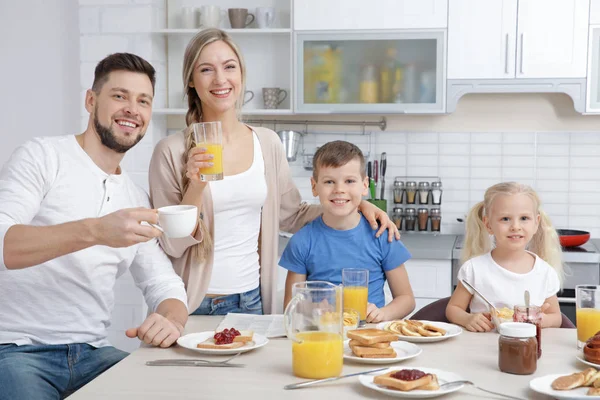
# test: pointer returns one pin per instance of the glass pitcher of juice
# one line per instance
(314, 322)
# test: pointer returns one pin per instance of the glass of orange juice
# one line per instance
(356, 290)
(209, 135)
(587, 299)
(313, 321)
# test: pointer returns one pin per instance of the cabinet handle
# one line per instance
(522, 53)
(506, 56)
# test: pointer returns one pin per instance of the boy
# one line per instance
(342, 238)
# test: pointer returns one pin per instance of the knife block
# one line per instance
(379, 203)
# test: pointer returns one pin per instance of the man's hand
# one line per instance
(124, 228)
(157, 330)
(374, 314)
(374, 214)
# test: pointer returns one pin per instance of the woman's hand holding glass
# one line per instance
(198, 158)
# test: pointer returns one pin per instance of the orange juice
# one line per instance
(217, 151)
(356, 297)
(320, 355)
(588, 323)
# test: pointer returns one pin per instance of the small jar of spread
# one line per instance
(517, 348)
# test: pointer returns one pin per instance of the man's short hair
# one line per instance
(337, 154)
(121, 62)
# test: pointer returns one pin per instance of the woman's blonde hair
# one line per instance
(194, 113)
(544, 243)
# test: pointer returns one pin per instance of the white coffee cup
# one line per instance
(177, 221)
(265, 17)
(210, 16)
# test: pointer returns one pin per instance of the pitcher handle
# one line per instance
(287, 316)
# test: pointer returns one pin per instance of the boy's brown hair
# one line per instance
(121, 62)
(336, 154)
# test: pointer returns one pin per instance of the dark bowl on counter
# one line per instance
(572, 237)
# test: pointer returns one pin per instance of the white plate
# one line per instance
(579, 356)
(451, 331)
(404, 351)
(190, 341)
(543, 385)
(443, 377)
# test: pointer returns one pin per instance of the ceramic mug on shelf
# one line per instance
(238, 17)
(188, 17)
(272, 97)
(265, 17)
(210, 16)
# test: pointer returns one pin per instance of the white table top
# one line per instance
(472, 355)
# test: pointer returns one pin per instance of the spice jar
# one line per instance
(423, 192)
(423, 219)
(411, 192)
(398, 191)
(435, 214)
(410, 218)
(531, 315)
(517, 348)
(397, 217)
(436, 193)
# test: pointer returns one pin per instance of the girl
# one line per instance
(229, 264)
(526, 256)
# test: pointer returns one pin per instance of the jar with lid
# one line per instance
(423, 192)
(410, 219)
(532, 315)
(517, 348)
(436, 193)
(411, 192)
(435, 214)
(369, 85)
(423, 218)
(398, 191)
(397, 217)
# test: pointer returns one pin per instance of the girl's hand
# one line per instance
(479, 322)
(197, 158)
(374, 314)
(544, 308)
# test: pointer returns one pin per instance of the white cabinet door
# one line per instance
(430, 278)
(552, 38)
(481, 39)
(365, 15)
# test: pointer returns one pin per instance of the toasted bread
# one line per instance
(380, 345)
(423, 383)
(245, 336)
(371, 336)
(569, 382)
(210, 344)
(363, 350)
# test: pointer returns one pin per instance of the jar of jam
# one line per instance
(517, 348)
(532, 315)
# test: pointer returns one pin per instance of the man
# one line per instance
(70, 224)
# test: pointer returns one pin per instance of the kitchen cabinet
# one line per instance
(365, 15)
(369, 72)
(502, 39)
(593, 81)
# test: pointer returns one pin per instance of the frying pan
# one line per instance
(572, 238)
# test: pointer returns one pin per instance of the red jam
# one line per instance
(226, 336)
(408, 374)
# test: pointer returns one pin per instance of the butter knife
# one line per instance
(314, 382)
(479, 294)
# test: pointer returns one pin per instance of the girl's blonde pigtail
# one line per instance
(477, 239)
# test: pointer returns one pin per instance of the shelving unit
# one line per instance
(257, 111)
(190, 32)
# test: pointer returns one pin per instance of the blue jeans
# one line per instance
(51, 371)
(243, 303)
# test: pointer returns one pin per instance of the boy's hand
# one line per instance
(374, 314)
(480, 322)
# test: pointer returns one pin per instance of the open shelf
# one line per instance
(230, 31)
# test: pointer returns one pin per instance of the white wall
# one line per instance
(39, 85)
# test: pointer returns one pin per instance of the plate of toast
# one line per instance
(579, 385)
(209, 342)
(421, 331)
(375, 346)
(412, 383)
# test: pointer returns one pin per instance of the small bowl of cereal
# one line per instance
(351, 318)
(501, 315)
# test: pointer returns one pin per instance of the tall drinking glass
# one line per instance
(356, 290)
(587, 312)
(210, 136)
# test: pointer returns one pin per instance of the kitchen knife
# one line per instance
(383, 168)
(375, 176)
(371, 181)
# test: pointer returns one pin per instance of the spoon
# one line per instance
(452, 385)
(527, 303)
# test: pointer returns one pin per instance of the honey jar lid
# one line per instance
(517, 329)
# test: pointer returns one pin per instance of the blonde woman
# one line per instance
(229, 264)
(526, 256)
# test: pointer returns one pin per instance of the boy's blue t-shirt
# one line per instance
(321, 252)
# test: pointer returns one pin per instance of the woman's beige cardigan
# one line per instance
(282, 210)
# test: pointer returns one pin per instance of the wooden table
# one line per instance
(472, 355)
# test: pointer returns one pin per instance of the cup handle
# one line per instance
(287, 316)
(251, 20)
(152, 225)
(282, 98)
(251, 96)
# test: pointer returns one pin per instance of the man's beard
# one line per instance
(108, 138)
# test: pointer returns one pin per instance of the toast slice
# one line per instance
(245, 336)
(423, 383)
(569, 382)
(210, 344)
(372, 336)
(380, 345)
(361, 351)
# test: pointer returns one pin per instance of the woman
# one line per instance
(229, 264)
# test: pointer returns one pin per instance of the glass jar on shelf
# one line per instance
(397, 217)
(423, 218)
(410, 219)
(411, 192)
(369, 85)
(435, 214)
(398, 191)
(436, 193)
(423, 192)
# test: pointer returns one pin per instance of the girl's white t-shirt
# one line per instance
(505, 288)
